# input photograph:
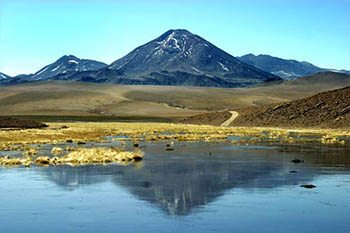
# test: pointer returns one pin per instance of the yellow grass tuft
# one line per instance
(81, 156)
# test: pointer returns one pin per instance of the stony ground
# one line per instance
(10, 122)
(216, 118)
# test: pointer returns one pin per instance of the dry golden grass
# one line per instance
(81, 156)
(96, 132)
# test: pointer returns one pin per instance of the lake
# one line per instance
(197, 187)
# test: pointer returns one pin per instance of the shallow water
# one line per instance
(233, 188)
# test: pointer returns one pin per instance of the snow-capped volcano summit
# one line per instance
(181, 51)
(174, 40)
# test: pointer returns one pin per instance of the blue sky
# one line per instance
(34, 33)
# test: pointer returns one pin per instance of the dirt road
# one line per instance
(232, 118)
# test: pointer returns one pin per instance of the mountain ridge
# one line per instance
(177, 57)
(284, 68)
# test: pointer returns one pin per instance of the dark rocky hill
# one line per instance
(328, 110)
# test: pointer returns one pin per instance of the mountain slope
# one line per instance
(67, 64)
(286, 69)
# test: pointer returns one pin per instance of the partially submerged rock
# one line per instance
(308, 186)
(169, 147)
(297, 161)
(42, 160)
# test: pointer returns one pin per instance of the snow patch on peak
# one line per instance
(170, 41)
(286, 75)
(41, 71)
(223, 66)
(2, 76)
(197, 70)
(121, 66)
(73, 61)
(54, 69)
(176, 43)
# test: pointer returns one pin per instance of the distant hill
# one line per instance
(286, 69)
(67, 64)
(61, 69)
(22, 78)
(323, 78)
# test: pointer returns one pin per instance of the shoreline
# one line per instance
(77, 143)
(96, 131)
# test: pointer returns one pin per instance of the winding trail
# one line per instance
(232, 118)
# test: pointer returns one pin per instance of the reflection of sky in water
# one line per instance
(185, 190)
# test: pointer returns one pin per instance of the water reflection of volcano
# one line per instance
(179, 182)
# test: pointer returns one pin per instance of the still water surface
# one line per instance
(235, 189)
